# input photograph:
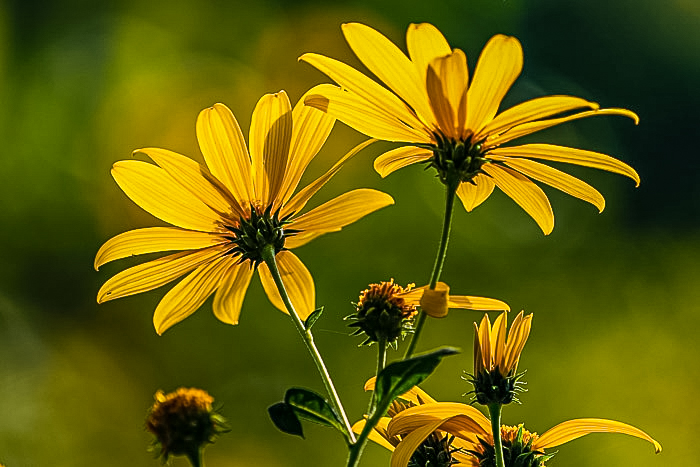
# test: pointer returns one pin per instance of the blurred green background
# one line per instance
(83, 83)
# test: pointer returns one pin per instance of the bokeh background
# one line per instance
(615, 296)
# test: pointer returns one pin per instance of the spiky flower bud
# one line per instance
(382, 314)
(183, 422)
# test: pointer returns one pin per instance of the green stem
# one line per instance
(450, 191)
(268, 255)
(495, 413)
(381, 362)
(195, 458)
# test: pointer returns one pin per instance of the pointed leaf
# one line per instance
(311, 406)
(313, 317)
(285, 419)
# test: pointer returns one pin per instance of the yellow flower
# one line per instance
(474, 439)
(226, 212)
(496, 358)
(454, 125)
(183, 422)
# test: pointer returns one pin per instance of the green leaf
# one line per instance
(399, 377)
(311, 406)
(311, 320)
(285, 419)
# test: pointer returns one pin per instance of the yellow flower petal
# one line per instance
(228, 299)
(517, 337)
(297, 281)
(523, 191)
(572, 429)
(447, 80)
(160, 195)
(434, 301)
(342, 210)
(153, 240)
(153, 274)
(408, 420)
(477, 303)
(190, 293)
(196, 179)
(408, 445)
(498, 345)
(223, 146)
(485, 342)
(367, 117)
(498, 67)
(415, 395)
(532, 127)
(550, 152)
(398, 158)
(425, 43)
(310, 131)
(300, 239)
(388, 63)
(270, 137)
(373, 435)
(299, 200)
(365, 88)
(473, 194)
(534, 109)
(555, 178)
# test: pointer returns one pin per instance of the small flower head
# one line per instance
(183, 422)
(517, 449)
(435, 451)
(383, 314)
(496, 357)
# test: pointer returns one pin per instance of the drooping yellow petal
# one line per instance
(398, 158)
(389, 64)
(534, 109)
(223, 147)
(196, 179)
(477, 303)
(446, 81)
(160, 195)
(299, 200)
(270, 136)
(572, 429)
(372, 118)
(557, 179)
(408, 445)
(523, 191)
(311, 129)
(153, 274)
(228, 299)
(434, 301)
(498, 67)
(190, 293)
(363, 87)
(413, 417)
(373, 435)
(550, 152)
(532, 127)
(473, 194)
(153, 240)
(342, 210)
(425, 43)
(297, 281)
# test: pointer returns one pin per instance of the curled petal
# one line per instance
(399, 158)
(572, 429)
(434, 301)
(408, 445)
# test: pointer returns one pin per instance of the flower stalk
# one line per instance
(451, 186)
(268, 255)
(495, 415)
